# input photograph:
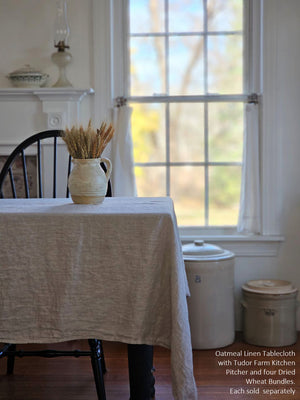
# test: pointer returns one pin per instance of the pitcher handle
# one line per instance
(108, 165)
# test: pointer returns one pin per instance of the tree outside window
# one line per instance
(186, 87)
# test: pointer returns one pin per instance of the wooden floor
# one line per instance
(71, 379)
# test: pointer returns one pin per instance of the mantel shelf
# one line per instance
(44, 94)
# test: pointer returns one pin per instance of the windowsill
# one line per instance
(241, 245)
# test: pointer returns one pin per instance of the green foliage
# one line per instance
(144, 131)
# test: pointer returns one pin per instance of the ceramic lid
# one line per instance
(269, 286)
(201, 251)
(26, 70)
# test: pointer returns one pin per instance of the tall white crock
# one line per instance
(88, 181)
(210, 273)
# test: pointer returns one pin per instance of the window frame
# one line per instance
(201, 99)
(109, 34)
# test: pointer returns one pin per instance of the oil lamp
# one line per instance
(62, 31)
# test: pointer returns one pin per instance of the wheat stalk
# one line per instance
(87, 143)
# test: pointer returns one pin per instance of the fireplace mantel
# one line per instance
(61, 105)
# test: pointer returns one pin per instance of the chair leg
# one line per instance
(140, 365)
(11, 360)
(96, 356)
(103, 365)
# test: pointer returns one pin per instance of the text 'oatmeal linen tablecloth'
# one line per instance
(112, 271)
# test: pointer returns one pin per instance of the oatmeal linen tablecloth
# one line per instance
(112, 271)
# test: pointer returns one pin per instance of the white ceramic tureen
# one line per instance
(27, 77)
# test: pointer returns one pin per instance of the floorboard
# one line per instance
(71, 379)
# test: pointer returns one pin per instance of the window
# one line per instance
(187, 87)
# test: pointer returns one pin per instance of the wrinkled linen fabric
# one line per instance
(112, 271)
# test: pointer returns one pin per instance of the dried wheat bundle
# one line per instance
(87, 143)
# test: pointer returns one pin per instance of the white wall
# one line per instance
(287, 120)
(26, 36)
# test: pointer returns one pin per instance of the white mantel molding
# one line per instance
(44, 94)
(61, 105)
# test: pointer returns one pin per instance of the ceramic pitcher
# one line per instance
(88, 181)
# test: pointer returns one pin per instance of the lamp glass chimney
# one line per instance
(62, 30)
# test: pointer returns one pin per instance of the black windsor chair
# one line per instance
(11, 183)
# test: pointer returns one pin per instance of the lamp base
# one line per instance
(62, 59)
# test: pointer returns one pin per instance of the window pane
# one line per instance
(186, 65)
(225, 65)
(146, 16)
(150, 181)
(185, 16)
(224, 194)
(225, 15)
(175, 52)
(148, 132)
(147, 66)
(225, 126)
(186, 132)
(187, 192)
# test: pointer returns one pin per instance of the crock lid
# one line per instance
(201, 251)
(269, 286)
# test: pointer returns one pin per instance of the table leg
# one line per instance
(11, 360)
(140, 365)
